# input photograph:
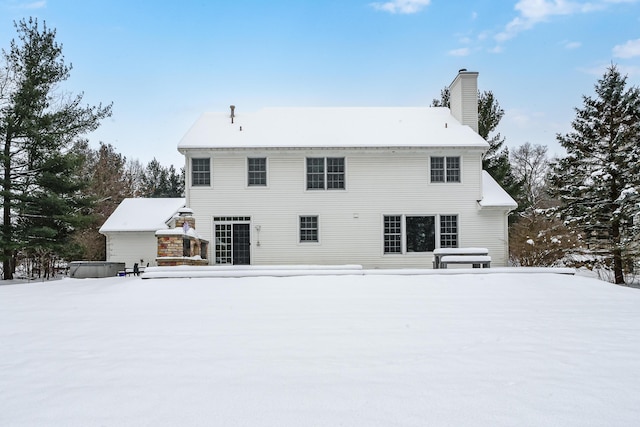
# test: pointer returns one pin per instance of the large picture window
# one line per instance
(325, 173)
(421, 233)
(200, 172)
(445, 169)
(417, 233)
(257, 171)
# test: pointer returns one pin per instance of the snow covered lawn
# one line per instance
(485, 350)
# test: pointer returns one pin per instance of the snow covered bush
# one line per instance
(539, 239)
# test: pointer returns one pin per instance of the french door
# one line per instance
(233, 240)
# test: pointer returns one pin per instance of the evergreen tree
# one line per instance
(52, 210)
(159, 181)
(599, 179)
(37, 126)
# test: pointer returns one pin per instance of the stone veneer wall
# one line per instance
(170, 245)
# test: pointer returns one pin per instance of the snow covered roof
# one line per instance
(493, 195)
(370, 127)
(140, 214)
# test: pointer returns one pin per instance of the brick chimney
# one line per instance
(463, 98)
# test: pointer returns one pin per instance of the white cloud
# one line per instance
(539, 10)
(627, 50)
(571, 45)
(464, 51)
(401, 6)
(532, 12)
(40, 4)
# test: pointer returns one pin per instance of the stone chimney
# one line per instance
(463, 98)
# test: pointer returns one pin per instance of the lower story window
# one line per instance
(417, 233)
(448, 231)
(393, 234)
(308, 229)
(421, 233)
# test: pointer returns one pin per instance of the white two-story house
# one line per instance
(379, 187)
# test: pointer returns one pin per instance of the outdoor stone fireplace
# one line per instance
(181, 244)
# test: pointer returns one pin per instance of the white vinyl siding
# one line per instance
(381, 182)
(131, 247)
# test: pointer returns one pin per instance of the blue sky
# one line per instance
(164, 63)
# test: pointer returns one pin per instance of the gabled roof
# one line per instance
(493, 195)
(369, 127)
(140, 214)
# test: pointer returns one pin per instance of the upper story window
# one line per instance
(200, 172)
(256, 171)
(325, 173)
(445, 169)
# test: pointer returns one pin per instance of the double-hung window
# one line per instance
(256, 171)
(308, 229)
(448, 231)
(417, 233)
(200, 172)
(445, 169)
(325, 173)
(393, 234)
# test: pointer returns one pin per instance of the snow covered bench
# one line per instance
(439, 253)
(476, 261)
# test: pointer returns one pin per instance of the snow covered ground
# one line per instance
(482, 350)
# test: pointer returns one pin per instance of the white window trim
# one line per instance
(318, 190)
(445, 169)
(246, 172)
(190, 174)
(403, 230)
(307, 242)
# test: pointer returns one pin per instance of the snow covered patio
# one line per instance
(497, 349)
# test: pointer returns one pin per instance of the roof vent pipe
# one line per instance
(233, 114)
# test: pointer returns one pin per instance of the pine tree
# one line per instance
(599, 179)
(159, 181)
(36, 122)
(52, 210)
